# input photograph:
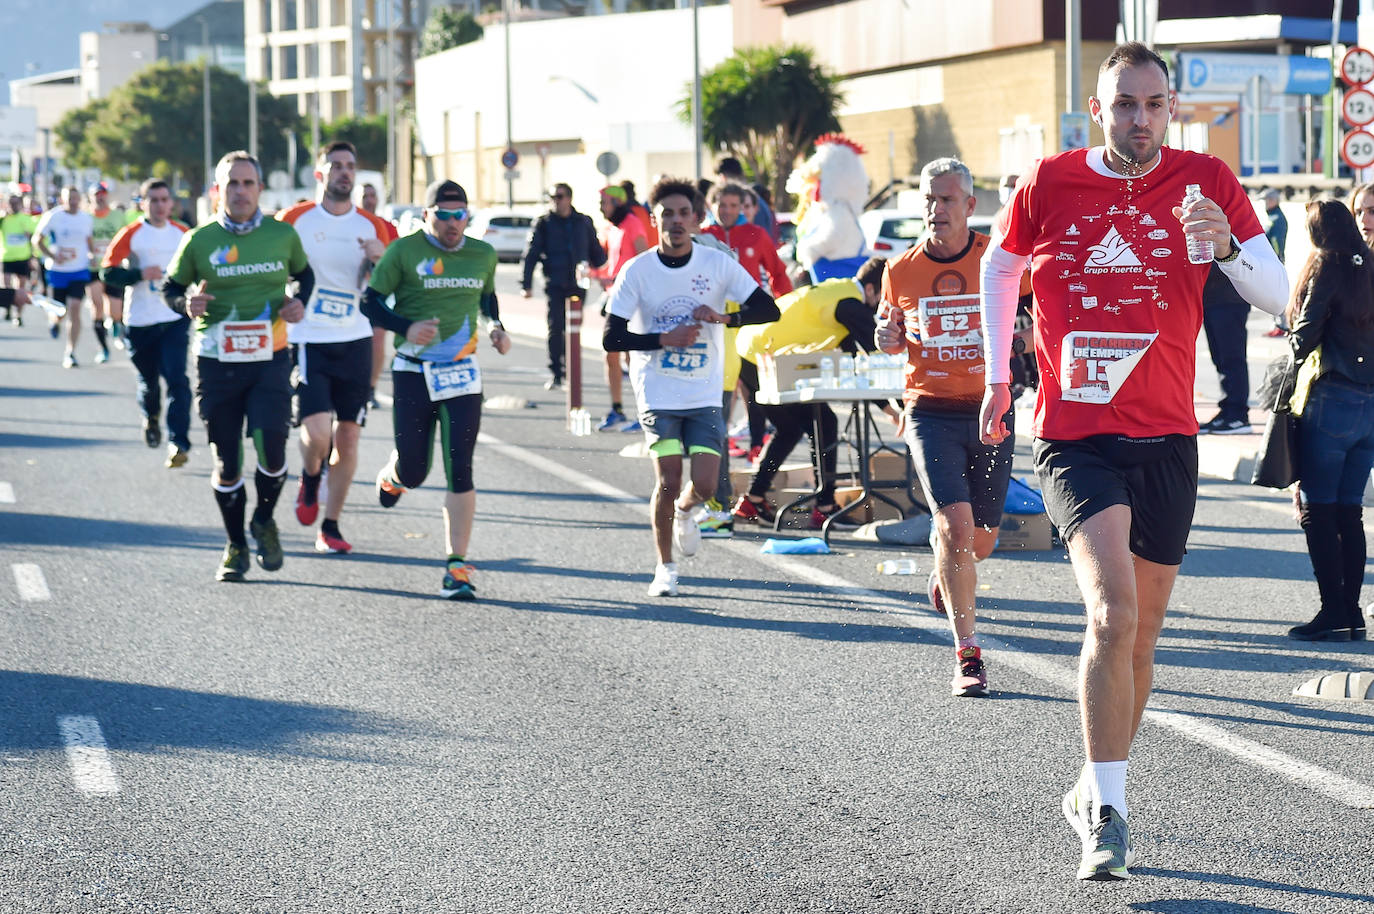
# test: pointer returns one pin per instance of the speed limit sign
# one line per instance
(1357, 66)
(1358, 107)
(1358, 149)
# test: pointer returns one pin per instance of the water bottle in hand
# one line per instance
(1199, 251)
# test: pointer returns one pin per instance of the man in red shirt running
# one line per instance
(1118, 305)
(627, 237)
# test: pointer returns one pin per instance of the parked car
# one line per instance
(889, 232)
(504, 229)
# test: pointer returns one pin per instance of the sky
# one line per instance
(40, 36)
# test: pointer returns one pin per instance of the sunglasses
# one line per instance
(559, 196)
(444, 215)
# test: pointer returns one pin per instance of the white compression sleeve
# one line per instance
(1000, 281)
(1258, 275)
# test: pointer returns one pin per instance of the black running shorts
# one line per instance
(230, 395)
(334, 378)
(1155, 477)
(20, 268)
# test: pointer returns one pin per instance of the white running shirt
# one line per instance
(68, 237)
(142, 244)
(334, 313)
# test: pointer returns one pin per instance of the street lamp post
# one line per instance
(205, 92)
(696, 89)
(510, 183)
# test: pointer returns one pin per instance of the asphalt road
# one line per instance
(779, 738)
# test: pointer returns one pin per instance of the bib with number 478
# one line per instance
(1095, 365)
(688, 362)
(245, 341)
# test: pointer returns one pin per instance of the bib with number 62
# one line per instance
(445, 380)
(1095, 365)
(245, 341)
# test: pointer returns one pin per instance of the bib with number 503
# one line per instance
(687, 362)
(446, 380)
(245, 341)
(331, 307)
(1095, 365)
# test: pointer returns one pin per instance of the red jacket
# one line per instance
(757, 254)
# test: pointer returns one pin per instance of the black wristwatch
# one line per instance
(1235, 251)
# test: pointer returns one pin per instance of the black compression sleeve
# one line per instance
(376, 311)
(857, 318)
(758, 308)
(120, 276)
(174, 294)
(305, 283)
(618, 338)
(6, 298)
(490, 308)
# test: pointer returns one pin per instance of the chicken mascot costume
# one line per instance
(831, 189)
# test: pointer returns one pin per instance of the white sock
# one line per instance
(669, 567)
(1107, 783)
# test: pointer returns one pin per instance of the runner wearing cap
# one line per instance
(445, 288)
(63, 237)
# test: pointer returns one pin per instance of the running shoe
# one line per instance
(1275, 332)
(117, 334)
(686, 532)
(754, 453)
(268, 543)
(1106, 849)
(335, 544)
(372, 399)
(1077, 809)
(234, 565)
(457, 583)
(176, 457)
(757, 511)
(152, 431)
(17, 320)
(388, 490)
(553, 384)
(1219, 426)
(665, 581)
(102, 356)
(971, 679)
(69, 361)
(613, 419)
(53, 328)
(308, 509)
(632, 426)
(716, 522)
(937, 601)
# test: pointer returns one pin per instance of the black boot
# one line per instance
(1351, 525)
(1324, 549)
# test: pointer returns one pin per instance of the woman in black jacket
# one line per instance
(1333, 307)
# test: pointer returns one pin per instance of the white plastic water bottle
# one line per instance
(1198, 251)
(847, 371)
(827, 372)
(897, 566)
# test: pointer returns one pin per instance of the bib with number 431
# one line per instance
(1095, 365)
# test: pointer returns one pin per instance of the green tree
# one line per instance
(766, 105)
(448, 28)
(154, 122)
(367, 134)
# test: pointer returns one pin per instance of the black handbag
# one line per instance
(1276, 464)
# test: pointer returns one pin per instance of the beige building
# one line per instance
(333, 57)
(111, 56)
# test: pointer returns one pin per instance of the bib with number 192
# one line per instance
(446, 380)
(1095, 365)
(245, 341)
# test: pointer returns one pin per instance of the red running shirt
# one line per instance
(1117, 304)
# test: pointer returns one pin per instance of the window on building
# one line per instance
(337, 12)
(267, 15)
(312, 60)
(310, 9)
(288, 16)
(338, 58)
(338, 104)
(266, 63)
(289, 63)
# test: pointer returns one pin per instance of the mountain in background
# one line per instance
(40, 36)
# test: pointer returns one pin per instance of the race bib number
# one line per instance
(445, 380)
(1094, 366)
(332, 307)
(951, 322)
(689, 362)
(245, 341)
(16, 239)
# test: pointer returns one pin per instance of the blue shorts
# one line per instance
(71, 284)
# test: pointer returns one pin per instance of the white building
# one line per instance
(580, 87)
(110, 57)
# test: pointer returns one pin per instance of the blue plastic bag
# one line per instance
(1022, 499)
(811, 545)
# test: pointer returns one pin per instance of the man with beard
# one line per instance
(1117, 308)
(333, 345)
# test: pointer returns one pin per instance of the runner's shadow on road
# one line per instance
(1294, 709)
(64, 531)
(44, 393)
(135, 717)
(1192, 905)
(54, 442)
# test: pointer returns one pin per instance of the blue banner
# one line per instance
(1231, 73)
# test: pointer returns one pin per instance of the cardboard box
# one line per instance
(789, 476)
(887, 466)
(780, 373)
(1025, 532)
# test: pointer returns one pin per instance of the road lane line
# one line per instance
(6, 493)
(1304, 774)
(87, 754)
(29, 579)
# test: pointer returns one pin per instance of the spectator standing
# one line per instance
(1276, 230)
(729, 171)
(1224, 313)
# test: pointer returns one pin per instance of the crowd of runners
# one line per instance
(287, 317)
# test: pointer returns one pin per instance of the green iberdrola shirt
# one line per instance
(104, 228)
(17, 231)
(247, 275)
(429, 282)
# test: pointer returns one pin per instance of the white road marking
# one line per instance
(6, 493)
(29, 579)
(87, 754)
(1304, 774)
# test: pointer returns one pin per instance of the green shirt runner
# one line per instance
(247, 275)
(17, 230)
(430, 282)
